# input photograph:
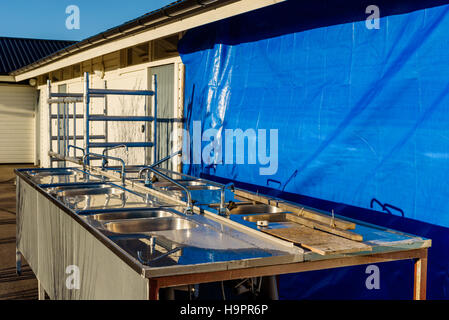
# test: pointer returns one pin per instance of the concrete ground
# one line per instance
(11, 285)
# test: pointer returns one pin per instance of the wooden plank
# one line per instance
(300, 210)
(318, 241)
(327, 228)
(420, 277)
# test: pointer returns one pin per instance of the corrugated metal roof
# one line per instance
(16, 53)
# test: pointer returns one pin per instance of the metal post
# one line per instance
(155, 144)
(58, 129)
(67, 131)
(74, 129)
(50, 120)
(86, 114)
(105, 112)
(64, 129)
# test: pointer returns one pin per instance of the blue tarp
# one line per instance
(362, 118)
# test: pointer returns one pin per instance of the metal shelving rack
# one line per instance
(65, 140)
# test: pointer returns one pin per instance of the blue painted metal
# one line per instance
(119, 118)
(121, 92)
(114, 144)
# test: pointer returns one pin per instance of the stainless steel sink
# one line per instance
(149, 225)
(82, 190)
(252, 209)
(56, 172)
(189, 184)
(132, 214)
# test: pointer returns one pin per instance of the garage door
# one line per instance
(17, 104)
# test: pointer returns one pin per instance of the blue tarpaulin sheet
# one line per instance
(362, 119)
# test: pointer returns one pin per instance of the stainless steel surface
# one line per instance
(180, 240)
(123, 215)
(189, 184)
(99, 196)
(62, 175)
(63, 172)
(149, 225)
(79, 190)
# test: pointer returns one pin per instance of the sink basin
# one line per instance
(56, 172)
(189, 184)
(131, 214)
(253, 208)
(149, 225)
(82, 190)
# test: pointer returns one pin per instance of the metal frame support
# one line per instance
(67, 98)
(154, 88)
(50, 124)
(86, 113)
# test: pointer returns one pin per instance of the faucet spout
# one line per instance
(105, 157)
(223, 211)
(105, 161)
(189, 207)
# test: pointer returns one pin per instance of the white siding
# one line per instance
(17, 125)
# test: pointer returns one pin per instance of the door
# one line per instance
(165, 112)
(17, 124)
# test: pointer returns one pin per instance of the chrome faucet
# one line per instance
(122, 175)
(147, 179)
(189, 208)
(112, 148)
(75, 147)
(223, 211)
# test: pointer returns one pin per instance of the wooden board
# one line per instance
(297, 209)
(317, 241)
(323, 227)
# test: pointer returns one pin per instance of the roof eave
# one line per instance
(164, 15)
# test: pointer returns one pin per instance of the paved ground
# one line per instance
(11, 285)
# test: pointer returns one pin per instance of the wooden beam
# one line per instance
(153, 290)
(420, 277)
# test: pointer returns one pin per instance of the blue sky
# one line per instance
(46, 19)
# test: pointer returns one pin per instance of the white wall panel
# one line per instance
(17, 124)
